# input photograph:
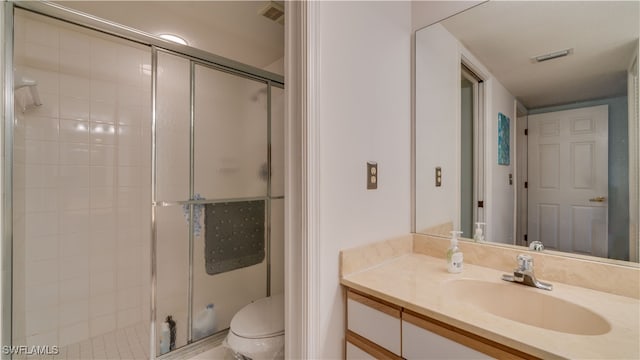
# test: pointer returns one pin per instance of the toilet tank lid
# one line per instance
(261, 318)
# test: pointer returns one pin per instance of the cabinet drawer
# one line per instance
(418, 343)
(360, 348)
(355, 353)
(423, 337)
(375, 321)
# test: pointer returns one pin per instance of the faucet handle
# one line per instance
(536, 246)
(525, 262)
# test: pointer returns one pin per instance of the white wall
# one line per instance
(365, 107)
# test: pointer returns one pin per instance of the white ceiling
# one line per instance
(505, 35)
(232, 29)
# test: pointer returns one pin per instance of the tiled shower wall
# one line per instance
(81, 185)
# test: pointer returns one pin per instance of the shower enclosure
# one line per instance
(145, 181)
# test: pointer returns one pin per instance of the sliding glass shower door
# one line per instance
(212, 202)
(231, 172)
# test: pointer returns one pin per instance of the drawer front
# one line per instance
(418, 343)
(359, 347)
(355, 353)
(375, 321)
(425, 337)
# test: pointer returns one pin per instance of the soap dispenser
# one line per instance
(478, 235)
(454, 255)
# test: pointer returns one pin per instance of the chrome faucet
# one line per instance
(524, 274)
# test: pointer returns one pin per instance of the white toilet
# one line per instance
(257, 330)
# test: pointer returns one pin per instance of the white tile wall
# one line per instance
(79, 214)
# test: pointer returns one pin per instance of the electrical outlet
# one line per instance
(372, 175)
(438, 176)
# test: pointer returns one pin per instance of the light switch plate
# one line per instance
(372, 175)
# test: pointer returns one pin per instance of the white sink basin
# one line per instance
(527, 305)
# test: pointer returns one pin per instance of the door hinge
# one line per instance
(526, 132)
(526, 184)
(481, 204)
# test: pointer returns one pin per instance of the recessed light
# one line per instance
(174, 38)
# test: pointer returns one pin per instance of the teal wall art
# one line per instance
(503, 139)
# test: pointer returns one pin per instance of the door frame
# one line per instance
(480, 116)
(521, 170)
(477, 146)
(302, 175)
(633, 94)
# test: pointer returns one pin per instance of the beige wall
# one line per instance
(364, 96)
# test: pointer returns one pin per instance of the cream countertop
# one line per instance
(416, 282)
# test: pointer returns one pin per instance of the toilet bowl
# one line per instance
(257, 330)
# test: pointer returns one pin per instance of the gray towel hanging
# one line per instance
(234, 235)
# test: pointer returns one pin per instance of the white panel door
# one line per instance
(568, 183)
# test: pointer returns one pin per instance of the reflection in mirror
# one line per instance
(530, 112)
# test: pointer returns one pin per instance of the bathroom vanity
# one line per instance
(402, 303)
(383, 330)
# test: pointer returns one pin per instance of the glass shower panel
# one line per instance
(227, 291)
(172, 128)
(231, 152)
(172, 185)
(172, 256)
(277, 246)
(277, 141)
(230, 135)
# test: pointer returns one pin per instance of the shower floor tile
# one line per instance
(131, 343)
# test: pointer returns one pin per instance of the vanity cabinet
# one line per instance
(373, 328)
(424, 339)
(377, 329)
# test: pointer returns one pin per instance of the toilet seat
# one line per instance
(257, 330)
(261, 319)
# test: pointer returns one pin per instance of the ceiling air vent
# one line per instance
(274, 12)
(551, 56)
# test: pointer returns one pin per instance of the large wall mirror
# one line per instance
(526, 126)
